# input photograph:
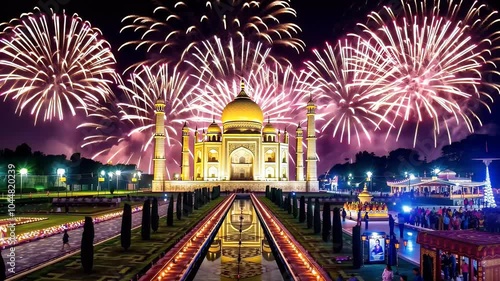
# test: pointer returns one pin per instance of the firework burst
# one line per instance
(52, 64)
(431, 63)
(136, 116)
(181, 25)
(218, 70)
(345, 106)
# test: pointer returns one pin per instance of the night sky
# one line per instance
(320, 20)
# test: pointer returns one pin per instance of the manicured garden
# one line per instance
(111, 262)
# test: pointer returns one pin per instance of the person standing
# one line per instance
(391, 225)
(416, 272)
(453, 267)
(344, 214)
(65, 239)
(401, 224)
(366, 220)
(465, 271)
(387, 275)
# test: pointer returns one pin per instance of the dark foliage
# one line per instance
(317, 217)
(170, 211)
(146, 220)
(310, 215)
(155, 218)
(87, 246)
(126, 231)
(302, 210)
(337, 239)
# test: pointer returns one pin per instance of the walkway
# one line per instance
(36, 253)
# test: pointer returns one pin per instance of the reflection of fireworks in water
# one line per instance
(345, 106)
(219, 70)
(55, 63)
(137, 113)
(180, 25)
(431, 63)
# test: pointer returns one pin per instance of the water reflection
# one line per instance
(256, 259)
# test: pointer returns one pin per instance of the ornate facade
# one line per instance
(244, 149)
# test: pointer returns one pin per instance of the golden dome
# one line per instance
(214, 128)
(243, 110)
(269, 129)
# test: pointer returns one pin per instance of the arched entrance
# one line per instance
(241, 164)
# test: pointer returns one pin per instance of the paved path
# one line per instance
(41, 251)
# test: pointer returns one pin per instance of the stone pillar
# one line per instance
(311, 161)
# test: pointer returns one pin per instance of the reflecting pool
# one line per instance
(227, 259)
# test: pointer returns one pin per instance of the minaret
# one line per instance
(196, 135)
(300, 155)
(286, 136)
(311, 161)
(185, 153)
(159, 138)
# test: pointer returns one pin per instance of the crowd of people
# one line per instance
(443, 218)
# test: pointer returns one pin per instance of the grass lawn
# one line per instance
(111, 262)
(77, 213)
(322, 252)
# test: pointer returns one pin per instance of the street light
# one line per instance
(369, 179)
(118, 173)
(110, 174)
(396, 244)
(23, 172)
(363, 239)
(60, 174)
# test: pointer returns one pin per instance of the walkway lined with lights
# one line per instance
(42, 251)
(301, 266)
(178, 261)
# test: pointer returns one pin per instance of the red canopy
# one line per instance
(474, 244)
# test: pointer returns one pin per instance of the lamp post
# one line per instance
(396, 245)
(22, 172)
(369, 179)
(387, 246)
(60, 174)
(110, 175)
(101, 179)
(118, 174)
(363, 239)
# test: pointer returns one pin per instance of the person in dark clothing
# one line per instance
(366, 220)
(391, 225)
(65, 239)
(401, 224)
(344, 214)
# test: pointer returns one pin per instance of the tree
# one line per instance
(196, 201)
(317, 218)
(126, 231)
(267, 191)
(289, 205)
(309, 213)
(170, 211)
(185, 207)
(146, 221)
(87, 246)
(295, 207)
(155, 218)
(327, 221)
(337, 231)
(178, 207)
(357, 256)
(302, 211)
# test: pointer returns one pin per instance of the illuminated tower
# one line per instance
(159, 138)
(311, 160)
(185, 154)
(300, 155)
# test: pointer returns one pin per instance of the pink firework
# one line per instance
(136, 113)
(430, 63)
(345, 106)
(52, 64)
